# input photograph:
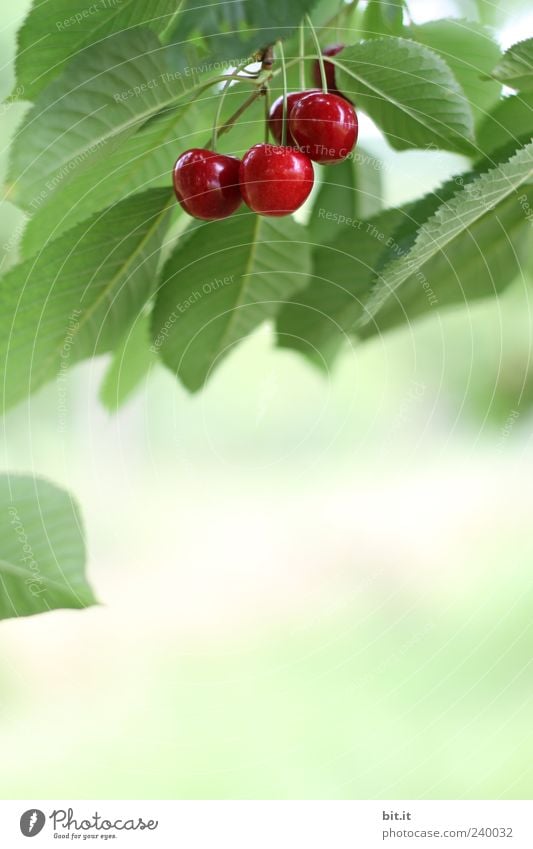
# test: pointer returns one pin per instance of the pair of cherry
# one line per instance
(271, 179)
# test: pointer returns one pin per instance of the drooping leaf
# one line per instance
(471, 52)
(350, 190)
(99, 100)
(465, 276)
(227, 27)
(335, 202)
(410, 92)
(219, 284)
(369, 182)
(42, 549)
(509, 125)
(319, 319)
(78, 296)
(56, 31)
(144, 161)
(313, 322)
(273, 18)
(516, 66)
(130, 363)
(481, 218)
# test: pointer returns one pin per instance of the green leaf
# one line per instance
(471, 52)
(55, 31)
(509, 125)
(476, 222)
(78, 296)
(222, 282)
(383, 17)
(130, 363)
(498, 14)
(83, 116)
(409, 91)
(42, 549)
(516, 66)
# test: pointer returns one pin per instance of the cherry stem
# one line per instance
(302, 54)
(284, 114)
(319, 55)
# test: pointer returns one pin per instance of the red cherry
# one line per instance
(207, 183)
(275, 180)
(324, 126)
(329, 67)
(275, 116)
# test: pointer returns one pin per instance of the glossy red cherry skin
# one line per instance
(324, 126)
(275, 180)
(207, 183)
(275, 116)
(329, 67)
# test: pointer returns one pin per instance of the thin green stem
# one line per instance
(284, 113)
(235, 117)
(267, 110)
(302, 53)
(339, 16)
(214, 135)
(408, 13)
(344, 11)
(248, 102)
(192, 93)
(170, 25)
(319, 55)
(221, 101)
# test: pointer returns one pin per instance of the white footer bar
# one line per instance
(267, 825)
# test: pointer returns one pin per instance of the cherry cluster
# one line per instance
(272, 179)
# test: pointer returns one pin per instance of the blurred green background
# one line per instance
(312, 587)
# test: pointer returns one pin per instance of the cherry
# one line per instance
(275, 180)
(207, 183)
(275, 116)
(324, 126)
(329, 67)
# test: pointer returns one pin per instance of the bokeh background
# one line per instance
(311, 587)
